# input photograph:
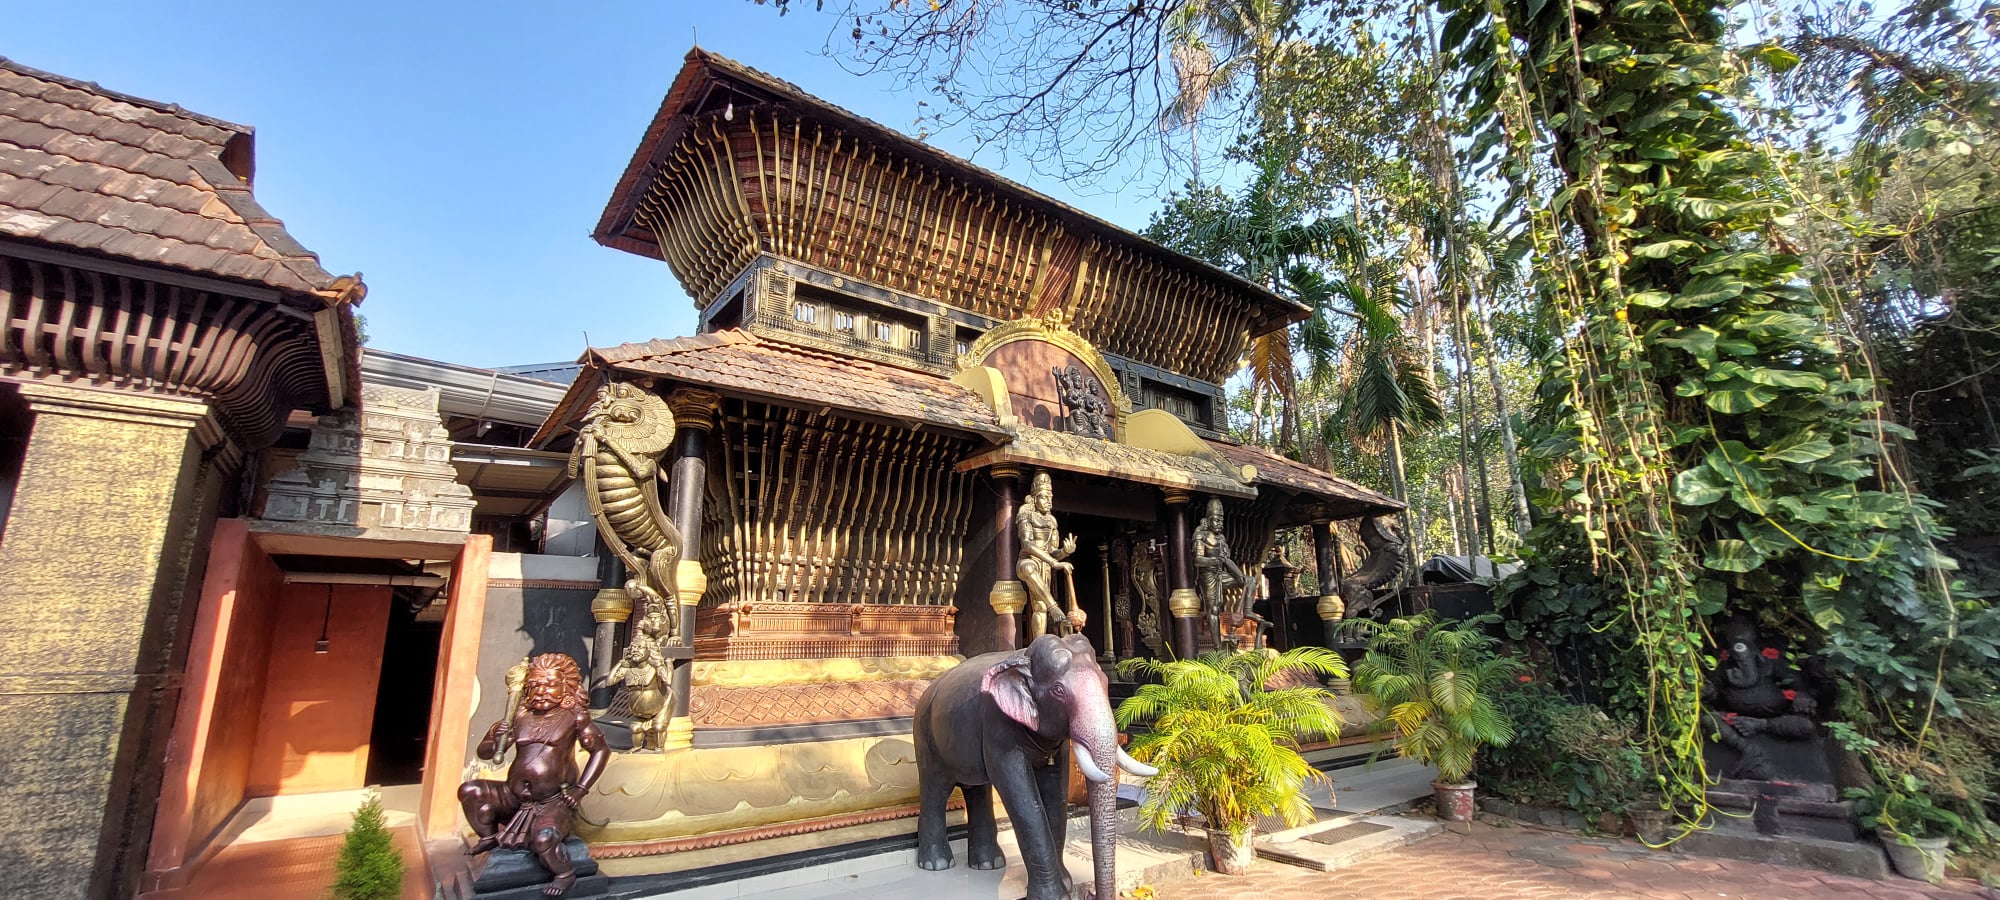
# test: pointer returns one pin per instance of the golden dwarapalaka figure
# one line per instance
(1218, 573)
(645, 670)
(1041, 557)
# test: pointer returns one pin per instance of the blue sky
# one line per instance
(459, 154)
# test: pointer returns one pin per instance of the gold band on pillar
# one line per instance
(690, 582)
(1330, 607)
(680, 734)
(1005, 470)
(1008, 597)
(1176, 496)
(611, 605)
(694, 407)
(1184, 602)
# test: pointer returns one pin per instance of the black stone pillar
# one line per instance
(1326, 567)
(1182, 601)
(1009, 596)
(694, 416)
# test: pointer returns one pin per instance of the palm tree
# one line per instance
(1269, 237)
(1436, 682)
(1225, 736)
(1215, 45)
(1381, 383)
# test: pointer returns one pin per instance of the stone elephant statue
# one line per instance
(1003, 719)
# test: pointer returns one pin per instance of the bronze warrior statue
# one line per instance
(1218, 573)
(1041, 558)
(532, 809)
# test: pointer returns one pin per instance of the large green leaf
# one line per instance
(1740, 399)
(1800, 447)
(1698, 342)
(1732, 555)
(1786, 378)
(1694, 487)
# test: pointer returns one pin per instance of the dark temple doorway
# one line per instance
(401, 730)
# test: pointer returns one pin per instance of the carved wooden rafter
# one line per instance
(818, 508)
(249, 357)
(768, 181)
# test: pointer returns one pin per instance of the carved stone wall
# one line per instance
(388, 467)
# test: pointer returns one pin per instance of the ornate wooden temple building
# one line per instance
(928, 413)
(905, 366)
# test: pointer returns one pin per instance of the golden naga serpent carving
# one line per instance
(618, 449)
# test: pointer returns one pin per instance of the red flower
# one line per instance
(1791, 694)
(1721, 653)
(1525, 679)
(1770, 653)
(1729, 717)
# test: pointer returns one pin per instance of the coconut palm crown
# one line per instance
(1225, 741)
(1436, 681)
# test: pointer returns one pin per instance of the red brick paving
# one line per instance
(292, 869)
(1500, 863)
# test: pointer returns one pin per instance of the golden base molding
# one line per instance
(786, 631)
(655, 802)
(680, 733)
(766, 672)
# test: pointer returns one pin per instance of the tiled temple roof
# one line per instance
(89, 169)
(1344, 497)
(741, 364)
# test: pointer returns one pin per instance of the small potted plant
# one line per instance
(1435, 682)
(1226, 741)
(1915, 832)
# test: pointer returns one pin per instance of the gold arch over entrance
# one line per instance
(1052, 327)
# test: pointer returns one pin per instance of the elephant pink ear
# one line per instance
(1007, 684)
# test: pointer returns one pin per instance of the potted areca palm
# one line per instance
(1435, 682)
(1225, 734)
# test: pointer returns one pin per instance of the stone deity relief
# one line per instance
(1146, 582)
(1085, 404)
(1052, 388)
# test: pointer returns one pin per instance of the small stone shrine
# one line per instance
(1778, 795)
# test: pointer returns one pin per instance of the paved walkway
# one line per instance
(1499, 863)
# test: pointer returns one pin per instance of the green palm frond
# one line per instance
(1225, 745)
(1436, 682)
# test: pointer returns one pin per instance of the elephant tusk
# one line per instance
(1135, 767)
(1088, 765)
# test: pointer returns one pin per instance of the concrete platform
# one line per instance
(895, 876)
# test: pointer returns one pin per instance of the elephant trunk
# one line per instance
(1094, 738)
(1104, 838)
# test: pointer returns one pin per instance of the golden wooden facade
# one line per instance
(742, 165)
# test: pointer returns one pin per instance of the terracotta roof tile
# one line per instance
(1300, 478)
(738, 363)
(87, 168)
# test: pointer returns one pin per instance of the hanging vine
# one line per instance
(1702, 441)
